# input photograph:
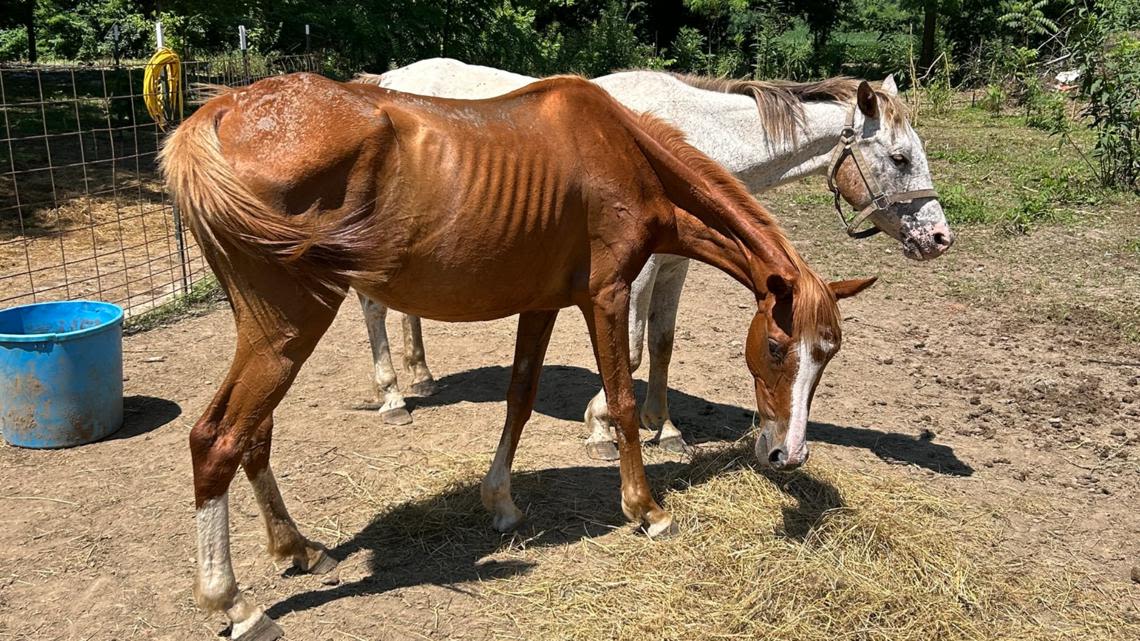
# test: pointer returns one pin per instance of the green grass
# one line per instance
(995, 170)
(814, 198)
(963, 208)
(983, 159)
(202, 296)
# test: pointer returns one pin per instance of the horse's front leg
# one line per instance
(601, 442)
(530, 350)
(608, 320)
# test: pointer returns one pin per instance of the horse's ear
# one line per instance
(848, 288)
(890, 87)
(781, 308)
(778, 286)
(868, 101)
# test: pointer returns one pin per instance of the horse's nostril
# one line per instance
(940, 239)
(777, 457)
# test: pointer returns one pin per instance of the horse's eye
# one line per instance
(775, 350)
(900, 160)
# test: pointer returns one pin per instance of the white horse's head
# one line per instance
(890, 162)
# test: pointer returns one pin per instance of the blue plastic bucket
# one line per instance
(61, 373)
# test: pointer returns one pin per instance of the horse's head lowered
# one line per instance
(793, 335)
(879, 166)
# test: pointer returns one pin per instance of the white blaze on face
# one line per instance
(795, 441)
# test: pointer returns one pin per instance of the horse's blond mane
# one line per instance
(364, 78)
(814, 304)
(781, 102)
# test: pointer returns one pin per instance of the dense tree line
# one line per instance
(1011, 49)
(792, 38)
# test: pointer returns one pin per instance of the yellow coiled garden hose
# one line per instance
(157, 86)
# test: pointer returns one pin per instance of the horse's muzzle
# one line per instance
(777, 457)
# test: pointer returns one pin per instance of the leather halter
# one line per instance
(848, 145)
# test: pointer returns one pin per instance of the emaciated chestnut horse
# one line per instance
(298, 187)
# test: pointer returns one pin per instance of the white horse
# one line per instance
(767, 134)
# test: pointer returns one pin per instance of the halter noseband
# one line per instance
(848, 145)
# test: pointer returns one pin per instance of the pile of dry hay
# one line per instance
(819, 554)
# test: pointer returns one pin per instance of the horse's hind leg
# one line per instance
(662, 326)
(284, 541)
(530, 350)
(275, 337)
(601, 442)
(415, 361)
(393, 409)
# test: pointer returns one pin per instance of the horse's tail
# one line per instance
(226, 217)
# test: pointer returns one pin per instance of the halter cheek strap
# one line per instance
(848, 145)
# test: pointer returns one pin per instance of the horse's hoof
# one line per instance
(425, 388)
(396, 416)
(504, 523)
(264, 629)
(602, 451)
(675, 444)
(664, 528)
(323, 564)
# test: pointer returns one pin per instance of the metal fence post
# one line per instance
(179, 230)
(176, 216)
(180, 242)
(244, 53)
(115, 43)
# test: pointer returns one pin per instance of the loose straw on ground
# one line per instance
(818, 555)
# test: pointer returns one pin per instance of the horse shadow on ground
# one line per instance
(446, 539)
(143, 414)
(565, 390)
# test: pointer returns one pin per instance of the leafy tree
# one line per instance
(21, 14)
(929, 27)
(821, 16)
(688, 50)
(1107, 50)
(1027, 18)
(609, 43)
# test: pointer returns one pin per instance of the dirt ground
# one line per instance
(1000, 376)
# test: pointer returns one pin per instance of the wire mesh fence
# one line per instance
(82, 209)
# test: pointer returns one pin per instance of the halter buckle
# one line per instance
(848, 136)
(881, 202)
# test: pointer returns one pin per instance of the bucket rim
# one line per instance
(58, 337)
